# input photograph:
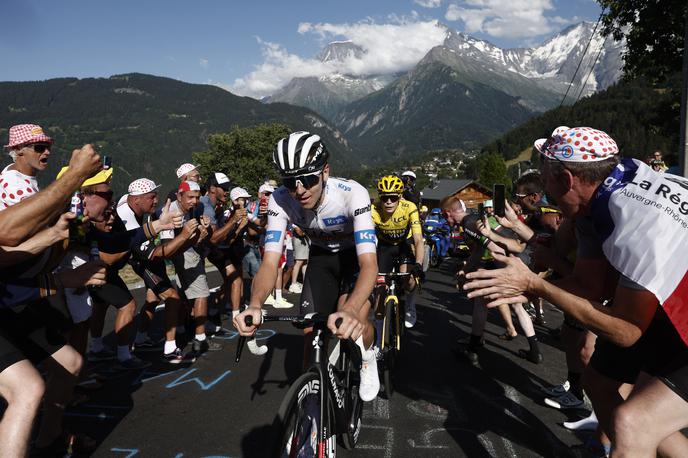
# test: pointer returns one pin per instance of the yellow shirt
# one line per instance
(396, 227)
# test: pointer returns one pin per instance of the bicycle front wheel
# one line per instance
(297, 424)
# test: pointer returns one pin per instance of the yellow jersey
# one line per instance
(398, 226)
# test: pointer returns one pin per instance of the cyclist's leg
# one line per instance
(320, 290)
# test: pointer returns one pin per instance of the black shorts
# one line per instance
(660, 352)
(387, 255)
(329, 275)
(33, 332)
(153, 274)
(114, 292)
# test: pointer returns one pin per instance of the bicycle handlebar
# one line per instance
(297, 320)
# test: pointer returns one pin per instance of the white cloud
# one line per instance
(428, 3)
(389, 48)
(203, 63)
(505, 18)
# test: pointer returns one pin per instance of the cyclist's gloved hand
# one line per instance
(417, 271)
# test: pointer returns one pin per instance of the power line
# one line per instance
(581, 60)
(594, 64)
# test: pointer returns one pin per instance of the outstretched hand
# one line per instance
(501, 286)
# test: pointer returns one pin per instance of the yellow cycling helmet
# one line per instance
(390, 184)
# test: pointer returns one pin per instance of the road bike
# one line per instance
(390, 310)
(323, 404)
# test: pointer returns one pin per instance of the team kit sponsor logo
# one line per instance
(272, 236)
(335, 221)
(365, 236)
(344, 187)
(362, 210)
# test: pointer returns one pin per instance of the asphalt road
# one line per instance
(443, 407)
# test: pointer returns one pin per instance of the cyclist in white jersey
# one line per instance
(335, 214)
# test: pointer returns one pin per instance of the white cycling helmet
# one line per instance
(409, 173)
(300, 153)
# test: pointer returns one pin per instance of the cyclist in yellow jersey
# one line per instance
(397, 223)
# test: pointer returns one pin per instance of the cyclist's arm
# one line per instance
(265, 278)
(364, 237)
(365, 282)
(275, 233)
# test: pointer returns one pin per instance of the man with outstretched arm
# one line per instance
(634, 213)
(335, 214)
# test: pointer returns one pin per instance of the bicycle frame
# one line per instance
(389, 280)
(345, 414)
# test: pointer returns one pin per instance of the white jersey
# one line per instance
(342, 220)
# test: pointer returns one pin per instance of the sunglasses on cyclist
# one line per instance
(390, 197)
(40, 147)
(307, 181)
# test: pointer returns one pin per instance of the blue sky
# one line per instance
(252, 47)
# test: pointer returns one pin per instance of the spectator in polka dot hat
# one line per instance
(29, 148)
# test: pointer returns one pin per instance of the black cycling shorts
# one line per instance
(154, 275)
(329, 276)
(114, 292)
(387, 254)
(33, 332)
(660, 352)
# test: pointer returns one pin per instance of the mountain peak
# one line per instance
(340, 51)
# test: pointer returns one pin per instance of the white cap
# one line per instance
(238, 192)
(265, 187)
(186, 186)
(409, 173)
(184, 169)
(221, 178)
(142, 186)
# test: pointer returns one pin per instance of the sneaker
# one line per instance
(270, 300)
(256, 349)
(148, 344)
(175, 357)
(535, 358)
(370, 382)
(282, 304)
(588, 423)
(296, 288)
(567, 400)
(198, 346)
(557, 390)
(410, 318)
(132, 364)
(212, 328)
(102, 355)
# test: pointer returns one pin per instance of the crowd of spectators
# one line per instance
(606, 255)
(64, 249)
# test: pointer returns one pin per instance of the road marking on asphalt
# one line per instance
(389, 440)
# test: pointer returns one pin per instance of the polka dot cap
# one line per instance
(577, 144)
(142, 186)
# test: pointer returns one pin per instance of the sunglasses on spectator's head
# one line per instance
(390, 197)
(307, 181)
(40, 147)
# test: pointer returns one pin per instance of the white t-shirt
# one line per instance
(15, 187)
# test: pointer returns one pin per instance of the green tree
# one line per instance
(654, 32)
(244, 154)
(492, 170)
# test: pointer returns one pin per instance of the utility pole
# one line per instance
(683, 146)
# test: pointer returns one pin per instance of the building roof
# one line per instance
(445, 187)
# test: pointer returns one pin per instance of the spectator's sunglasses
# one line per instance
(40, 147)
(107, 195)
(523, 196)
(390, 197)
(307, 181)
